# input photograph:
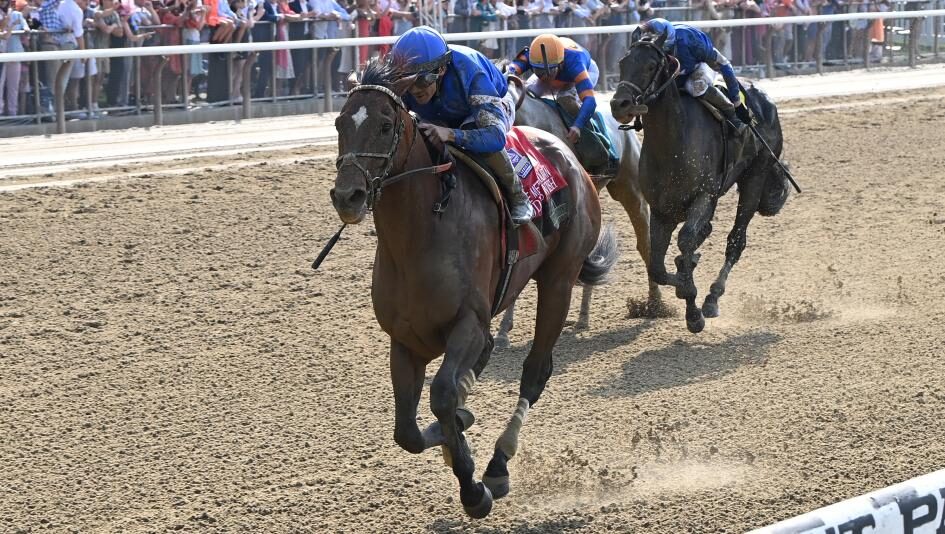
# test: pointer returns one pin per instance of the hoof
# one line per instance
(581, 325)
(696, 326)
(502, 342)
(710, 309)
(694, 320)
(482, 509)
(499, 486)
(465, 418)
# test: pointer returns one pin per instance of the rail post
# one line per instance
(159, 92)
(819, 50)
(247, 85)
(60, 92)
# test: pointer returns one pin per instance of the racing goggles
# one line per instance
(545, 71)
(426, 79)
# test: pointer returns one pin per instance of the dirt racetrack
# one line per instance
(169, 361)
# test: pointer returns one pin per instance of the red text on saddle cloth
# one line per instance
(539, 177)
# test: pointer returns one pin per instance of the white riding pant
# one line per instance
(506, 104)
(701, 79)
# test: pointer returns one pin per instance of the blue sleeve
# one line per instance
(520, 63)
(270, 13)
(728, 74)
(492, 123)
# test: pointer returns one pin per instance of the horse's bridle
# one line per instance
(378, 183)
(648, 94)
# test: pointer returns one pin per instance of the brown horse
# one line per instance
(435, 275)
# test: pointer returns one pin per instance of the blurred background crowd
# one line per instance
(123, 85)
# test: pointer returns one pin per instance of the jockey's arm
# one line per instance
(491, 121)
(728, 74)
(520, 64)
(588, 102)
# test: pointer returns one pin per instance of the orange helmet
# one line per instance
(546, 51)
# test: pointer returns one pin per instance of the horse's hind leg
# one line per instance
(464, 349)
(584, 316)
(692, 234)
(554, 299)
(505, 326)
(737, 239)
(639, 212)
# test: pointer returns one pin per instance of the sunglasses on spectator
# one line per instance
(426, 79)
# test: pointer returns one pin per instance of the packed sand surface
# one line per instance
(170, 362)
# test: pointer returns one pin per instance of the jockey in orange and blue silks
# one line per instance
(563, 66)
(463, 99)
(695, 52)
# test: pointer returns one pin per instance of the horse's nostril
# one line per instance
(357, 197)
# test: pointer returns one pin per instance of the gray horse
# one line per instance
(624, 187)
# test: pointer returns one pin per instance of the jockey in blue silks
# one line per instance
(464, 100)
(563, 67)
(695, 52)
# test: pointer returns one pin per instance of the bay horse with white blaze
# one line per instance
(435, 275)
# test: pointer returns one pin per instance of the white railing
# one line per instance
(467, 36)
(165, 51)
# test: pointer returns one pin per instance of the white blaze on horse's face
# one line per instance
(359, 117)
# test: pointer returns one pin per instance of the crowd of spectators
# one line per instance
(126, 83)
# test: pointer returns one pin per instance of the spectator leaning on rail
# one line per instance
(458, 86)
(695, 52)
(561, 66)
(11, 21)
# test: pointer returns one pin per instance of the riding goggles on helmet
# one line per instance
(426, 79)
(549, 71)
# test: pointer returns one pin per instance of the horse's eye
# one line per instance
(386, 127)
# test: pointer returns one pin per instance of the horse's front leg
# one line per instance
(748, 198)
(661, 231)
(693, 233)
(406, 374)
(464, 349)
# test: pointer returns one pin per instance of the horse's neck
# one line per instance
(406, 207)
(665, 120)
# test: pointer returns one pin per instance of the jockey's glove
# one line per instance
(743, 114)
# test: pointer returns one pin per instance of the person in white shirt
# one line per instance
(72, 17)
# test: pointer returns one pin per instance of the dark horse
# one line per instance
(683, 169)
(435, 275)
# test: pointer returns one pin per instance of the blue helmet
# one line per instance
(421, 49)
(658, 27)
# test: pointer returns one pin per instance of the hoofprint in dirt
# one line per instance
(168, 360)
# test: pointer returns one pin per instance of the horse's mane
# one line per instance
(383, 72)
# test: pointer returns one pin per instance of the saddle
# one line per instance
(546, 189)
(595, 149)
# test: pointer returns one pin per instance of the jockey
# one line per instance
(695, 52)
(561, 65)
(458, 87)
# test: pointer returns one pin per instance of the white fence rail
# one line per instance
(468, 36)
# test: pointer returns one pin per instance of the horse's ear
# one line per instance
(662, 39)
(352, 81)
(400, 86)
(636, 35)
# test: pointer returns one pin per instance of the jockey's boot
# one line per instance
(519, 205)
(721, 102)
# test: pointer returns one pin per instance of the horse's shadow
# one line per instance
(506, 365)
(546, 526)
(685, 362)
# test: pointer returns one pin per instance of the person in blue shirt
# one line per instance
(463, 99)
(561, 66)
(695, 52)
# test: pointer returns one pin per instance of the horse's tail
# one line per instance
(777, 187)
(601, 260)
